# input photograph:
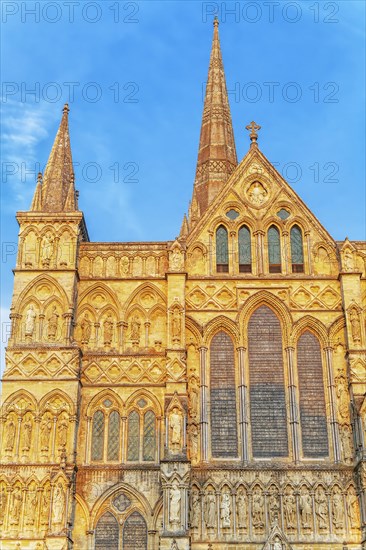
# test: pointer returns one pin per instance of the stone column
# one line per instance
(294, 408)
(332, 405)
(243, 404)
(259, 251)
(203, 409)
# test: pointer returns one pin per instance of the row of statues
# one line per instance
(53, 332)
(27, 426)
(35, 515)
(329, 507)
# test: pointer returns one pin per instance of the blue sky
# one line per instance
(133, 74)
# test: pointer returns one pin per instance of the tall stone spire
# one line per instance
(58, 178)
(217, 154)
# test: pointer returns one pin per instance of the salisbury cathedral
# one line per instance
(203, 393)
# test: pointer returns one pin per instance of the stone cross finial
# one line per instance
(253, 128)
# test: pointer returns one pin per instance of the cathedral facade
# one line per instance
(202, 393)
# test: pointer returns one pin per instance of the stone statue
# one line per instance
(343, 406)
(46, 428)
(225, 510)
(30, 509)
(108, 330)
(176, 324)
(347, 443)
(241, 509)
(305, 509)
(175, 428)
(58, 506)
(3, 501)
(10, 435)
(257, 193)
(321, 508)
(193, 439)
(354, 318)
(135, 329)
(210, 510)
(258, 509)
(30, 317)
(45, 505)
(348, 260)
(175, 499)
(85, 329)
(125, 266)
(353, 508)
(337, 509)
(195, 510)
(52, 324)
(277, 544)
(289, 504)
(47, 249)
(274, 507)
(176, 260)
(26, 433)
(193, 398)
(15, 506)
(62, 428)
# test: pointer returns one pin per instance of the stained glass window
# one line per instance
(107, 533)
(297, 255)
(97, 436)
(222, 250)
(113, 436)
(133, 439)
(274, 250)
(245, 253)
(135, 533)
(283, 214)
(232, 214)
(149, 444)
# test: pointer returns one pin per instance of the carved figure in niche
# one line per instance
(85, 329)
(257, 194)
(174, 545)
(305, 508)
(46, 427)
(241, 508)
(193, 439)
(62, 428)
(175, 428)
(58, 506)
(354, 318)
(258, 509)
(277, 544)
(125, 266)
(30, 508)
(10, 435)
(210, 510)
(343, 408)
(176, 260)
(348, 260)
(26, 433)
(321, 508)
(337, 509)
(274, 507)
(30, 317)
(353, 508)
(108, 330)
(135, 329)
(47, 249)
(176, 325)
(52, 324)
(15, 506)
(3, 501)
(225, 510)
(175, 499)
(194, 516)
(193, 398)
(347, 443)
(289, 504)
(45, 505)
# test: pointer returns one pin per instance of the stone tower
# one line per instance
(206, 392)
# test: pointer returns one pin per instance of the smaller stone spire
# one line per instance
(184, 230)
(36, 205)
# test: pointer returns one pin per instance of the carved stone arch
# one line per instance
(103, 288)
(157, 308)
(43, 278)
(248, 222)
(157, 511)
(108, 308)
(48, 228)
(142, 288)
(45, 403)
(220, 323)
(129, 491)
(197, 244)
(22, 398)
(225, 483)
(311, 324)
(265, 298)
(28, 229)
(242, 483)
(102, 396)
(333, 256)
(272, 220)
(220, 220)
(143, 393)
(335, 328)
(257, 483)
(209, 483)
(195, 329)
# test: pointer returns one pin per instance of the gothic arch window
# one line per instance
(313, 419)
(224, 439)
(107, 533)
(274, 250)
(141, 438)
(297, 250)
(105, 443)
(135, 533)
(267, 385)
(222, 250)
(245, 252)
